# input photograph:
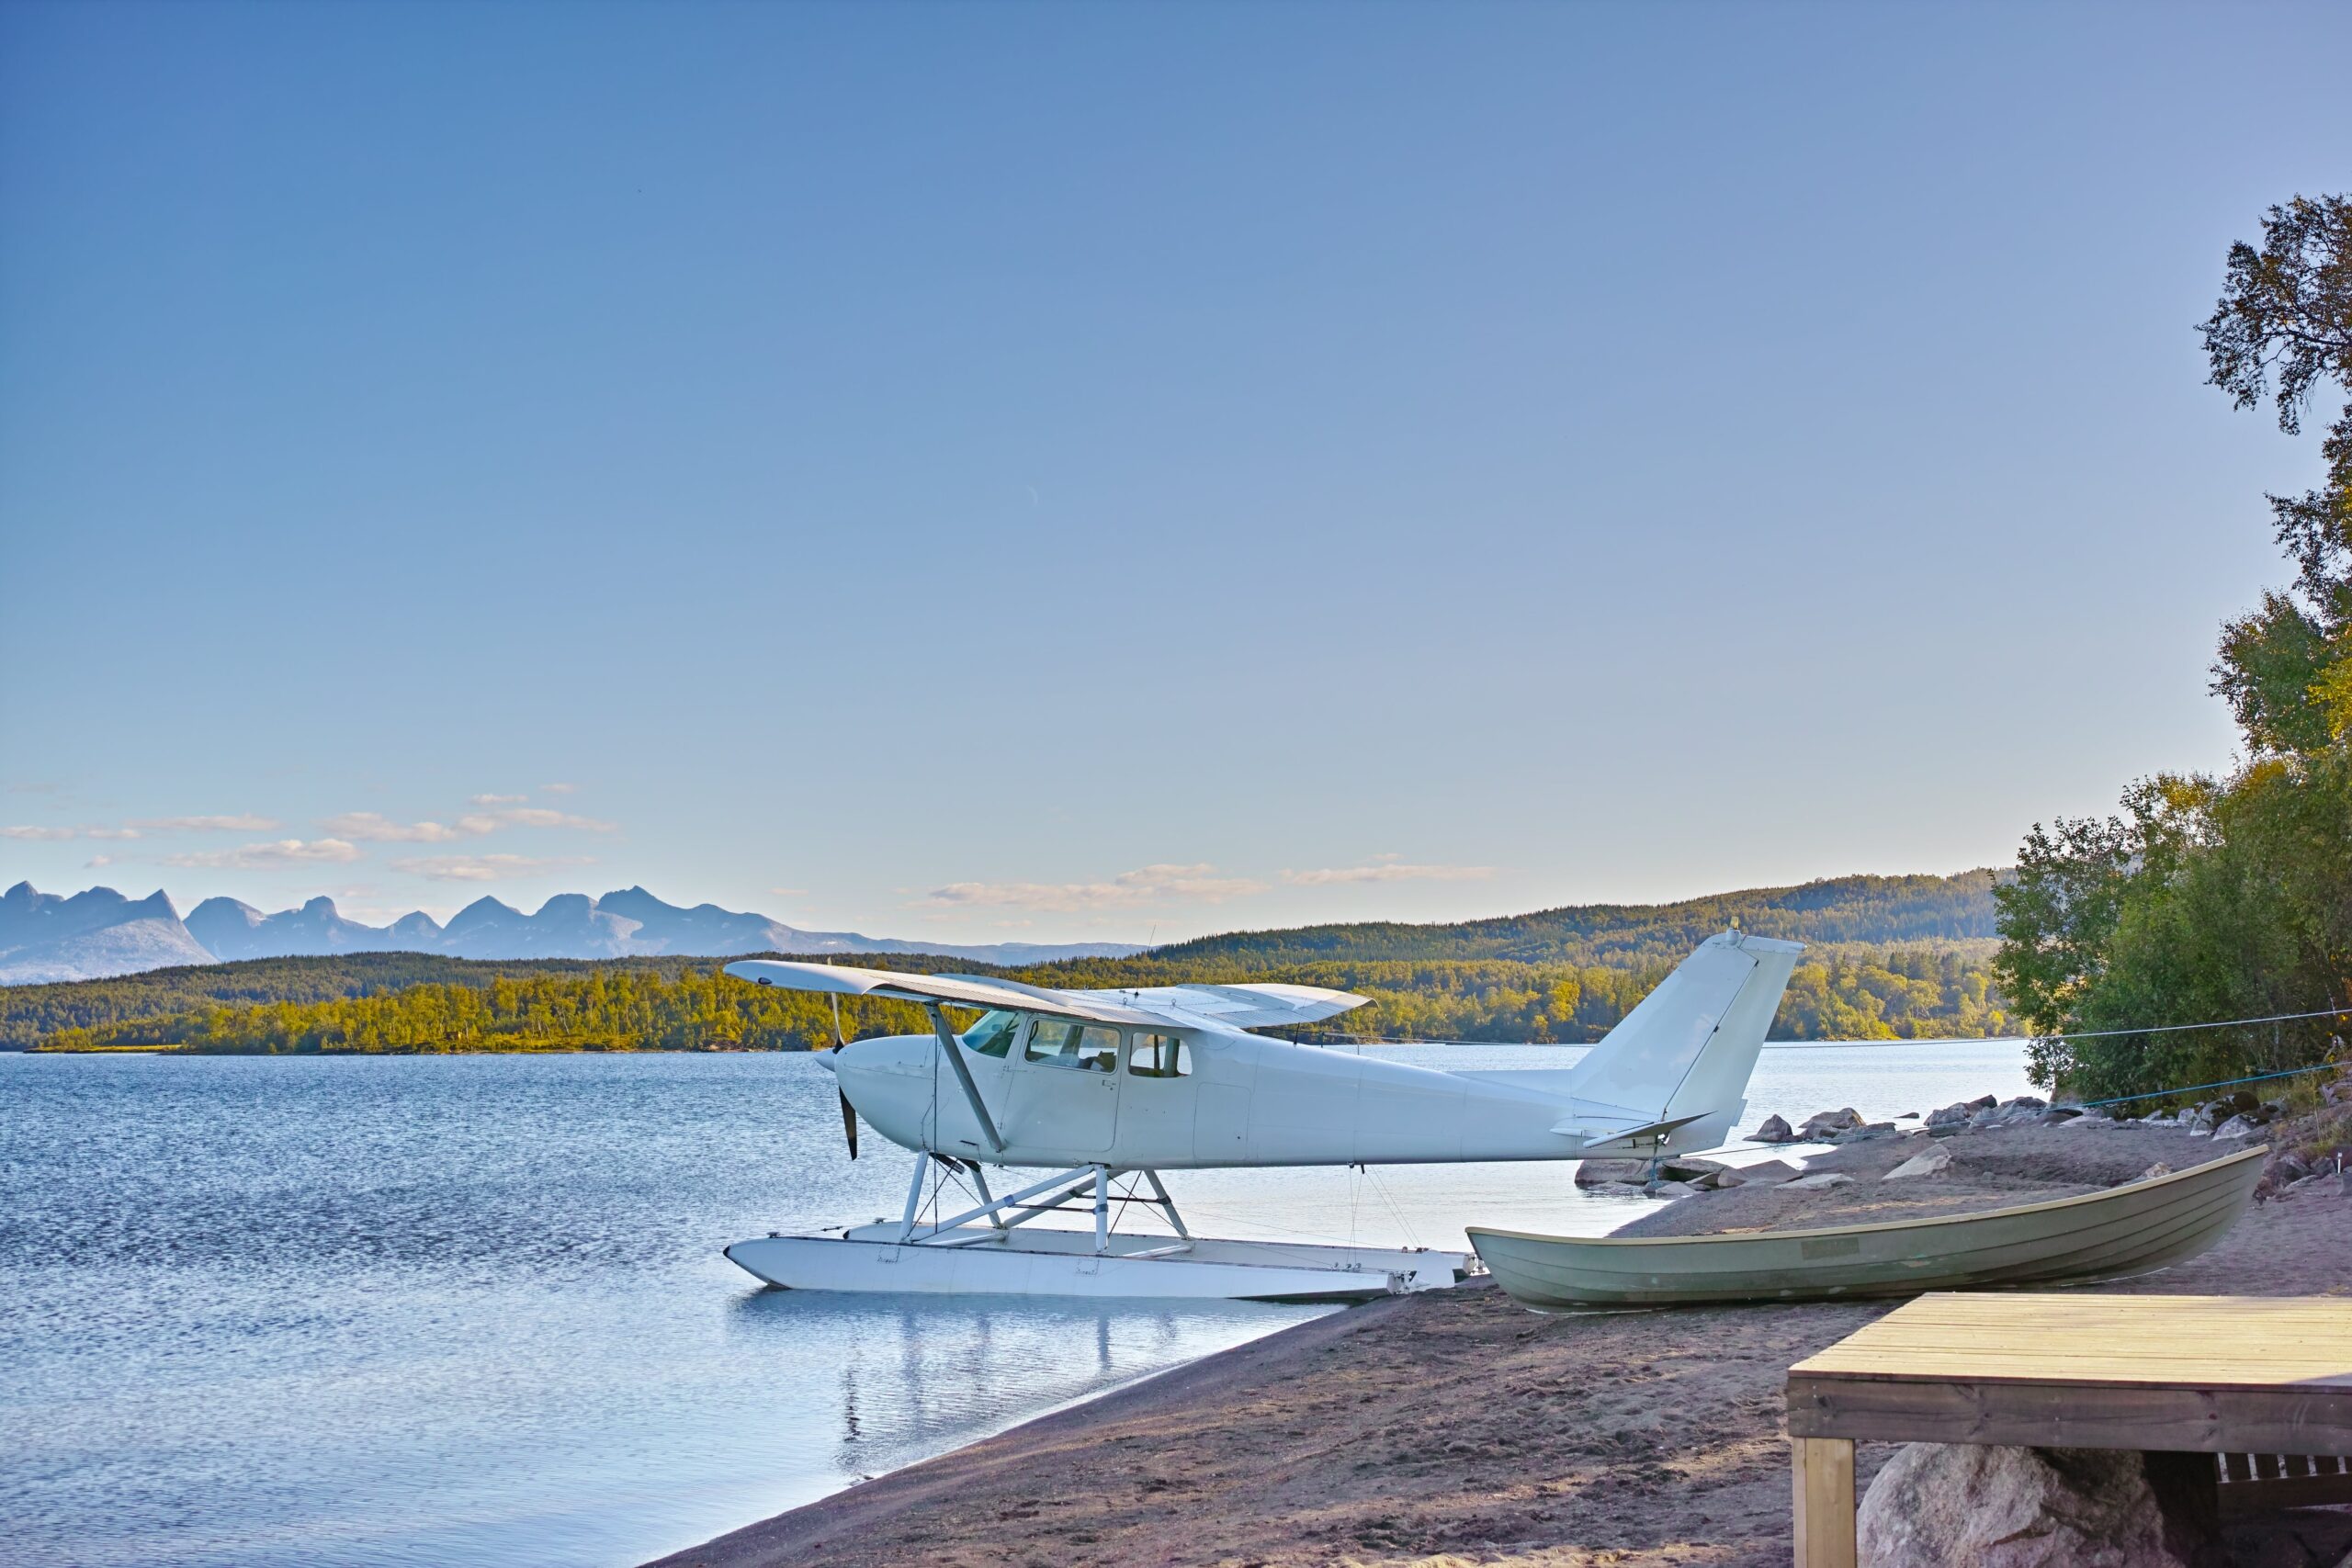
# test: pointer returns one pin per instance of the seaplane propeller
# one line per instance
(849, 1112)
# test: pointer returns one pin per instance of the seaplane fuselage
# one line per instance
(1172, 1078)
(1168, 1098)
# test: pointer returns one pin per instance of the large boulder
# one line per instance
(1602, 1172)
(1822, 1123)
(1950, 1116)
(1934, 1162)
(1937, 1504)
(1774, 1131)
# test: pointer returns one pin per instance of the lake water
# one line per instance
(470, 1310)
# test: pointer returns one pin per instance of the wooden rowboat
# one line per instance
(2132, 1229)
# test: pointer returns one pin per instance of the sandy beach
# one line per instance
(1454, 1428)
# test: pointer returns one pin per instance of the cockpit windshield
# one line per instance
(993, 1035)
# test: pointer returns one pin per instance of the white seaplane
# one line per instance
(1117, 1087)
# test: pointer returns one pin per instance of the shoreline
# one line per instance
(1453, 1427)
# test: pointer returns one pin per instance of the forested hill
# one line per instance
(1888, 957)
(29, 1014)
(1874, 910)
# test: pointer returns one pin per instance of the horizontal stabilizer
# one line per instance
(1656, 1132)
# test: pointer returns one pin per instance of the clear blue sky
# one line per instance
(1057, 470)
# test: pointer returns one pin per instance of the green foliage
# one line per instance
(608, 1007)
(2211, 899)
(125, 1010)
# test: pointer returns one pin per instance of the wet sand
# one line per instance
(1453, 1427)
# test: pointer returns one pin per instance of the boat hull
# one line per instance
(2133, 1229)
(976, 1262)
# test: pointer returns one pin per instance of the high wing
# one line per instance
(1185, 1007)
(957, 990)
(1235, 1007)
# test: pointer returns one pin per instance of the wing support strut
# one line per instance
(962, 1075)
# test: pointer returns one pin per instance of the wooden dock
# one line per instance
(2238, 1376)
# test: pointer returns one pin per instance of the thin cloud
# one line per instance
(540, 816)
(481, 868)
(278, 852)
(558, 788)
(496, 799)
(374, 827)
(59, 835)
(244, 822)
(1130, 890)
(97, 862)
(1386, 870)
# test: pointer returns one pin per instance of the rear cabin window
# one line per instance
(993, 1035)
(1158, 1056)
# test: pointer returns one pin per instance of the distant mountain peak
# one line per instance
(220, 902)
(95, 933)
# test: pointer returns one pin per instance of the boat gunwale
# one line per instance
(2144, 1184)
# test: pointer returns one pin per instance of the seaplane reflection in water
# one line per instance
(904, 1377)
(1109, 1089)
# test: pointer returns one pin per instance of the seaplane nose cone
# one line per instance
(882, 1054)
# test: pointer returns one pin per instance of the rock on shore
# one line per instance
(1935, 1505)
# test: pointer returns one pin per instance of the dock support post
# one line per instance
(914, 1197)
(1823, 1471)
(1101, 1207)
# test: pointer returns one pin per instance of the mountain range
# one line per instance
(90, 935)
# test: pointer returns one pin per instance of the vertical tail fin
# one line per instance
(1688, 1050)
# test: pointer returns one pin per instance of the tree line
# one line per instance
(1843, 992)
(2216, 898)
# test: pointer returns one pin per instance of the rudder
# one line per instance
(1689, 1047)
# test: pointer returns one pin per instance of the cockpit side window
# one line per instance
(1159, 1056)
(993, 1035)
(1050, 1041)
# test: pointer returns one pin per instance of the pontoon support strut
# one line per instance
(1089, 1182)
(914, 1197)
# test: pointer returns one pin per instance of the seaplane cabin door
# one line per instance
(1065, 1091)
